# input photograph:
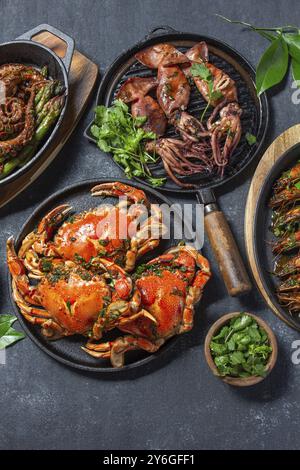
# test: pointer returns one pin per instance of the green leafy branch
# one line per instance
(273, 64)
(8, 335)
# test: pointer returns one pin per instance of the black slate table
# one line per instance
(176, 403)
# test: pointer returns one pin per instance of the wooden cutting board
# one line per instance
(82, 79)
(280, 145)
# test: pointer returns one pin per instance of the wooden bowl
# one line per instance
(237, 381)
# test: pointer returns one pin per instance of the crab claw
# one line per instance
(118, 189)
(52, 220)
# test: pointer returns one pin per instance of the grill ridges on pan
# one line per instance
(196, 106)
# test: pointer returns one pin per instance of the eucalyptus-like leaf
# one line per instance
(8, 335)
(272, 66)
(296, 70)
(293, 41)
(5, 323)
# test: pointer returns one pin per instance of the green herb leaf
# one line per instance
(251, 139)
(121, 134)
(8, 335)
(272, 66)
(241, 348)
(296, 70)
(293, 42)
(200, 70)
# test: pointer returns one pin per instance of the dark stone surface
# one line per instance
(177, 403)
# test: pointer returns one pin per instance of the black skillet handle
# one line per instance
(161, 29)
(67, 59)
(225, 250)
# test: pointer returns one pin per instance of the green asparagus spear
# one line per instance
(39, 95)
(48, 93)
(53, 114)
(44, 71)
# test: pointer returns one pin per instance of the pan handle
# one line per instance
(161, 29)
(67, 59)
(225, 249)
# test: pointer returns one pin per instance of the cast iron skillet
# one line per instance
(67, 350)
(25, 51)
(263, 237)
(254, 120)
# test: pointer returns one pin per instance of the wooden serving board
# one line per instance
(280, 145)
(82, 79)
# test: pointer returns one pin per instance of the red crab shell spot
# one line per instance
(122, 288)
(75, 304)
(114, 228)
(164, 297)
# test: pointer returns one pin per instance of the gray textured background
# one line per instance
(177, 403)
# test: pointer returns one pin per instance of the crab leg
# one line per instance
(115, 350)
(18, 273)
(146, 238)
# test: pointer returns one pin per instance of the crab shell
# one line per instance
(119, 233)
(69, 299)
(169, 287)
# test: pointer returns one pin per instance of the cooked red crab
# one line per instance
(169, 287)
(119, 233)
(69, 299)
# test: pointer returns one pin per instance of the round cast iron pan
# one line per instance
(263, 237)
(255, 115)
(67, 350)
(25, 51)
(254, 119)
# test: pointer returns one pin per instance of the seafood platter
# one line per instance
(179, 113)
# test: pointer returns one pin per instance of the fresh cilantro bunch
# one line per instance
(241, 348)
(121, 134)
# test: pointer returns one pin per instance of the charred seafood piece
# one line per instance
(135, 91)
(286, 265)
(223, 88)
(287, 243)
(288, 178)
(285, 221)
(285, 197)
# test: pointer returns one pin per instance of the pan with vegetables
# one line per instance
(204, 124)
(33, 99)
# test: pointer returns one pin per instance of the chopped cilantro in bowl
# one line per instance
(240, 347)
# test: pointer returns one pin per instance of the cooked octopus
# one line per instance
(30, 105)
